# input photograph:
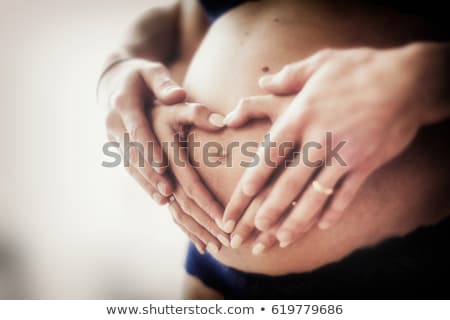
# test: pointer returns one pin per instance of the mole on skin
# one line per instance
(265, 69)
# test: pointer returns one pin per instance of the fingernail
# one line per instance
(229, 226)
(199, 249)
(159, 170)
(157, 197)
(223, 240)
(284, 236)
(284, 244)
(171, 89)
(258, 249)
(264, 81)
(229, 117)
(236, 241)
(325, 224)
(219, 223)
(212, 248)
(216, 120)
(163, 188)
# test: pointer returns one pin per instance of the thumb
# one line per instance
(157, 77)
(197, 115)
(257, 107)
(293, 77)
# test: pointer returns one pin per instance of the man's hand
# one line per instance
(373, 101)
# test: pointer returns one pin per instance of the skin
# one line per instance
(151, 62)
(390, 222)
(405, 105)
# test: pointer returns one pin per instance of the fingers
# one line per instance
(309, 205)
(258, 107)
(275, 149)
(293, 76)
(198, 115)
(286, 190)
(132, 154)
(197, 242)
(157, 77)
(190, 181)
(342, 199)
(188, 224)
(202, 218)
(265, 240)
(152, 186)
(147, 186)
(246, 226)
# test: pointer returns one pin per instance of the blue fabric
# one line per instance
(215, 9)
(413, 267)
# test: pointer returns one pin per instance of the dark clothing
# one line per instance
(416, 266)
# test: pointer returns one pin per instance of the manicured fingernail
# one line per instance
(157, 197)
(159, 170)
(229, 226)
(325, 224)
(229, 117)
(236, 241)
(216, 120)
(219, 223)
(171, 89)
(223, 240)
(284, 236)
(199, 249)
(163, 188)
(258, 249)
(212, 248)
(262, 223)
(284, 244)
(264, 81)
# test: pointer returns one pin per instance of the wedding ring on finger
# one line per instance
(321, 189)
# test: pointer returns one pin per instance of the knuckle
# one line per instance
(185, 205)
(287, 70)
(325, 53)
(316, 201)
(197, 110)
(154, 68)
(111, 120)
(120, 101)
(291, 183)
(191, 189)
(134, 155)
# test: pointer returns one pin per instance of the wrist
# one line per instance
(431, 80)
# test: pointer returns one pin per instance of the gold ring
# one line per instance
(321, 189)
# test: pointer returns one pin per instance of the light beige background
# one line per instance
(70, 228)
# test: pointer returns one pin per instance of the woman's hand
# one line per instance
(129, 90)
(197, 219)
(372, 102)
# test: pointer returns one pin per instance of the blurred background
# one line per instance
(70, 228)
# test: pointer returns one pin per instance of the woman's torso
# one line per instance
(261, 37)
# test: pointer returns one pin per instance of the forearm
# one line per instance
(433, 80)
(153, 36)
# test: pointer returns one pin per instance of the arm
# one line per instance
(135, 77)
(372, 100)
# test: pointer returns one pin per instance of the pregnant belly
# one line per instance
(254, 38)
